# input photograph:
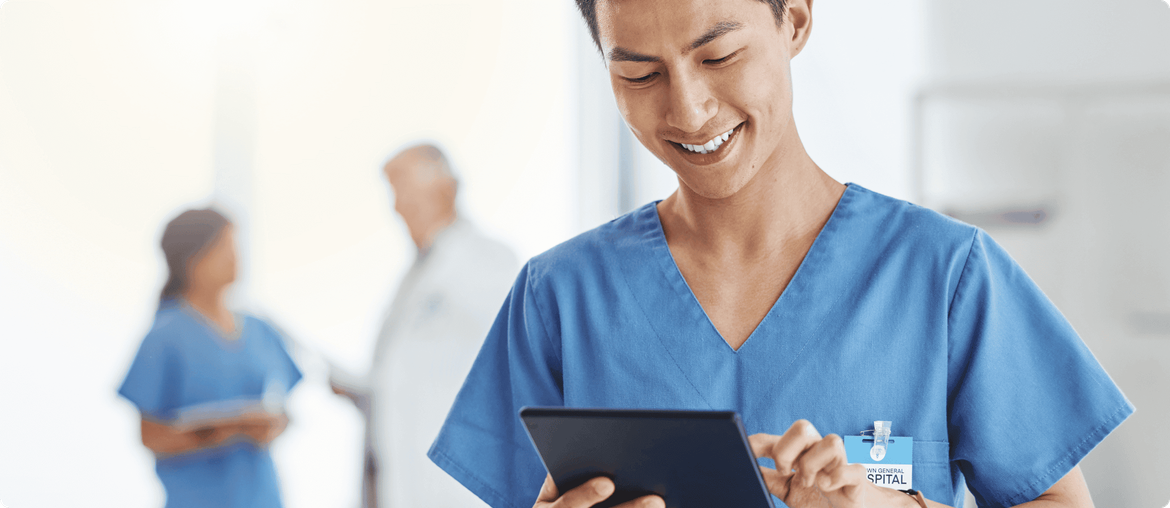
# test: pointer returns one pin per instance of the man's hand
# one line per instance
(339, 389)
(588, 494)
(812, 471)
(360, 398)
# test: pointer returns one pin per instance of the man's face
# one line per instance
(703, 84)
(421, 196)
(410, 191)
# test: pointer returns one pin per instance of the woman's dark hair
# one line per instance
(186, 238)
(588, 10)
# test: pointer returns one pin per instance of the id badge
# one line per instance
(888, 460)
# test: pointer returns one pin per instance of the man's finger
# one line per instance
(548, 491)
(762, 444)
(824, 454)
(845, 476)
(799, 437)
(587, 494)
(650, 501)
(776, 482)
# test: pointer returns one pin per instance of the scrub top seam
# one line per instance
(814, 257)
(656, 233)
(677, 364)
(543, 324)
(1073, 457)
(954, 299)
(829, 229)
(155, 414)
(675, 278)
(229, 344)
(962, 275)
(498, 500)
(684, 290)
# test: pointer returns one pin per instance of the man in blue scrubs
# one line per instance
(764, 286)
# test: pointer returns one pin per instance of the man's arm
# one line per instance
(1071, 491)
(812, 472)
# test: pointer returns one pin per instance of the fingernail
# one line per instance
(603, 488)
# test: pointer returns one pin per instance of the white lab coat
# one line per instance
(432, 333)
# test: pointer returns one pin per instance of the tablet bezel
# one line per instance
(530, 415)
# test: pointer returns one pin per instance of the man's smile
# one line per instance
(711, 150)
(709, 146)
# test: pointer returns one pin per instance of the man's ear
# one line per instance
(799, 15)
(448, 189)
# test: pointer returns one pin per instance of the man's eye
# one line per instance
(643, 79)
(717, 61)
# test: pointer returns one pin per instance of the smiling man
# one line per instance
(764, 286)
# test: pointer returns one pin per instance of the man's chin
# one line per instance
(715, 187)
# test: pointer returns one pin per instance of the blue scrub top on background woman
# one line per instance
(182, 363)
(896, 313)
(209, 383)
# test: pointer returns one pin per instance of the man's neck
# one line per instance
(427, 239)
(785, 200)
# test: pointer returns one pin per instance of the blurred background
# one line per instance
(1047, 122)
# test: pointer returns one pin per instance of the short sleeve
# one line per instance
(151, 383)
(1027, 399)
(284, 368)
(483, 444)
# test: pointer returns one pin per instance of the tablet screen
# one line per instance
(693, 459)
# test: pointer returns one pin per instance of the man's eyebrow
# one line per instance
(721, 28)
(624, 55)
(620, 54)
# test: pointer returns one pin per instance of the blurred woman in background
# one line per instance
(209, 383)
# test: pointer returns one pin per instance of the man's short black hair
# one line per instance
(589, 12)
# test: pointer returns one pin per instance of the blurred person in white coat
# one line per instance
(431, 334)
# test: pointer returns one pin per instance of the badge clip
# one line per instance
(888, 459)
(881, 439)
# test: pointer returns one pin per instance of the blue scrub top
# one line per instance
(183, 362)
(896, 313)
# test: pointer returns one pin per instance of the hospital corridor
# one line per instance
(285, 253)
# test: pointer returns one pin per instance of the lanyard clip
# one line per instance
(881, 439)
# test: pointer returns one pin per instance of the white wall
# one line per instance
(1065, 106)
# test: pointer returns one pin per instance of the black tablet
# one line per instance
(693, 459)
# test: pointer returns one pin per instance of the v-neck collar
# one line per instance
(678, 282)
(229, 338)
(688, 337)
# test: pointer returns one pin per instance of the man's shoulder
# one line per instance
(896, 221)
(597, 249)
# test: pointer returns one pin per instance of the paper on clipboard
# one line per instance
(271, 403)
(213, 413)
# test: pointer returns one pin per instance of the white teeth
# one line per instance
(709, 146)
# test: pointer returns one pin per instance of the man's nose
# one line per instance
(691, 103)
